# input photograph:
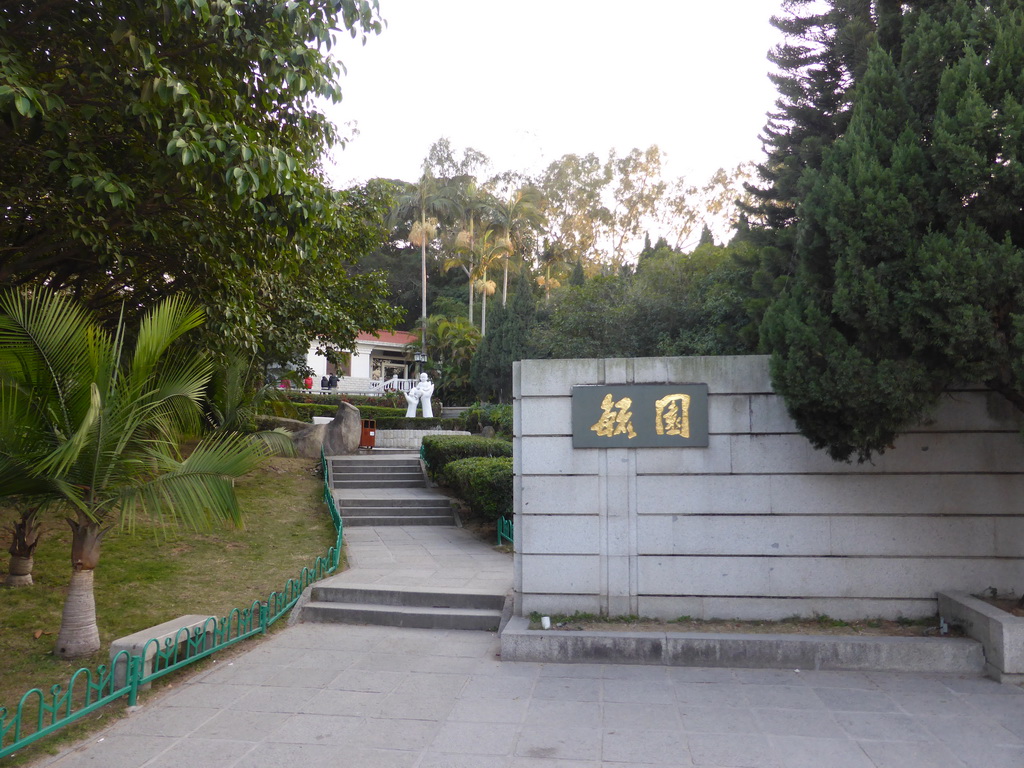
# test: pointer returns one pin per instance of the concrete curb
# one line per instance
(679, 649)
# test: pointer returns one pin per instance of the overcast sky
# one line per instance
(529, 81)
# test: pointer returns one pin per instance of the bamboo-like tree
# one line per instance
(92, 419)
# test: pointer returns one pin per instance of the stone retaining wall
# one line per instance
(758, 525)
(409, 439)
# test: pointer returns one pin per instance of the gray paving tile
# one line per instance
(856, 700)
(498, 687)
(782, 696)
(627, 745)
(370, 681)
(568, 689)
(195, 751)
(475, 739)
(710, 694)
(558, 742)
(489, 710)
(351, 703)
(799, 722)
(236, 725)
(882, 726)
(316, 729)
(975, 732)
(947, 703)
(376, 733)
(405, 707)
(647, 691)
(292, 755)
(717, 719)
(279, 700)
(115, 750)
(769, 676)
(442, 760)
(990, 757)
(155, 720)
(733, 750)
(791, 752)
(910, 754)
(630, 715)
(572, 714)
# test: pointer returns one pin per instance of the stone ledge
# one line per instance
(1001, 634)
(834, 653)
(176, 630)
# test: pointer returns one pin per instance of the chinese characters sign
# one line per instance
(640, 416)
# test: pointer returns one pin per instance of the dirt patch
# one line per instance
(1012, 605)
(822, 625)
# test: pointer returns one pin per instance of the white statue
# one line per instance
(421, 394)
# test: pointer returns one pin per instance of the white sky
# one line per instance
(525, 82)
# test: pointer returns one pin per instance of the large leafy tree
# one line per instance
(910, 236)
(92, 422)
(174, 146)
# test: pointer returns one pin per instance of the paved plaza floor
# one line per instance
(372, 697)
(344, 696)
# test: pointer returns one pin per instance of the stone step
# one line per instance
(383, 474)
(407, 596)
(437, 502)
(371, 511)
(410, 483)
(402, 616)
(384, 464)
(403, 520)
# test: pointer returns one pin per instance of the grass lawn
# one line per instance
(155, 575)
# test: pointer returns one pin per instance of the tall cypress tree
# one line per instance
(910, 268)
(506, 343)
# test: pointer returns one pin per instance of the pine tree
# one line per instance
(910, 271)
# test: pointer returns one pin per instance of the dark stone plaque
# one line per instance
(640, 416)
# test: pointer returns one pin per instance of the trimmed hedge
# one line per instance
(483, 483)
(441, 450)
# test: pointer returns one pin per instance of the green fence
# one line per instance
(40, 714)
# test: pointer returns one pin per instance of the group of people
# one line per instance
(329, 382)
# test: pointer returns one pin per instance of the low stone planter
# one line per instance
(1001, 634)
(409, 439)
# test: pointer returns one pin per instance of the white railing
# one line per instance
(392, 385)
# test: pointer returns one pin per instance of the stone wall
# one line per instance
(758, 525)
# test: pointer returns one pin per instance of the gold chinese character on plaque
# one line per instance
(672, 415)
(616, 419)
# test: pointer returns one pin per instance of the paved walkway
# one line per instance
(316, 695)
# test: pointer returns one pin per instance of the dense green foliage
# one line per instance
(174, 146)
(674, 304)
(507, 342)
(480, 415)
(485, 484)
(910, 270)
(439, 450)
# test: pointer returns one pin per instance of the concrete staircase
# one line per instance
(376, 472)
(386, 490)
(404, 607)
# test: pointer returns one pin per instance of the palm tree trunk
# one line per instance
(79, 635)
(483, 311)
(423, 280)
(23, 547)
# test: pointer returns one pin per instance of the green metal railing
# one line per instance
(505, 529)
(40, 714)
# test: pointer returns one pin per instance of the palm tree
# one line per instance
(516, 218)
(93, 422)
(488, 250)
(424, 202)
(473, 201)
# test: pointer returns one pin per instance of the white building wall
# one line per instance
(758, 525)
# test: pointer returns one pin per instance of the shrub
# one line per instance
(441, 450)
(485, 484)
(481, 415)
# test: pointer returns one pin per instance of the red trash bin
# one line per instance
(368, 434)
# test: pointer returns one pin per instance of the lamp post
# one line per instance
(421, 359)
